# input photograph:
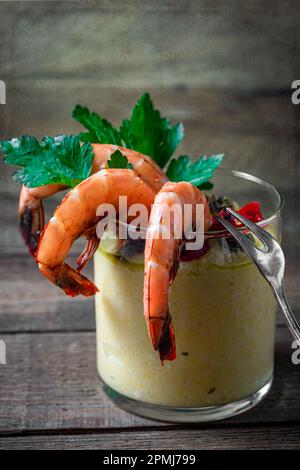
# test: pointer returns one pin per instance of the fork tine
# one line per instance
(244, 241)
(261, 234)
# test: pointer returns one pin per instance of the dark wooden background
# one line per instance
(223, 68)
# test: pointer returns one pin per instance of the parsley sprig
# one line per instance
(146, 131)
(149, 133)
(62, 159)
(198, 173)
(99, 129)
(118, 160)
(68, 160)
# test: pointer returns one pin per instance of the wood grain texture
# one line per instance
(50, 383)
(225, 70)
(28, 302)
(140, 43)
(257, 133)
(208, 438)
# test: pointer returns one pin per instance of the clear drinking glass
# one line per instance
(224, 317)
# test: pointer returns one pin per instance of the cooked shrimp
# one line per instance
(76, 214)
(31, 212)
(162, 261)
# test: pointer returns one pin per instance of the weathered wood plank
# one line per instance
(10, 241)
(152, 43)
(50, 383)
(258, 134)
(28, 302)
(48, 104)
(212, 438)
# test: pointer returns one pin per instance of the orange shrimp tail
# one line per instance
(31, 222)
(69, 280)
(167, 345)
(161, 332)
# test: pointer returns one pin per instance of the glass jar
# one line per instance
(223, 314)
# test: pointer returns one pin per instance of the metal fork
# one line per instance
(270, 261)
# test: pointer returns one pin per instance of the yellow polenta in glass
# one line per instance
(223, 314)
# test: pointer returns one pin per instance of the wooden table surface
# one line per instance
(51, 396)
(226, 73)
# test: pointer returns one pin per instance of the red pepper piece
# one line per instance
(251, 211)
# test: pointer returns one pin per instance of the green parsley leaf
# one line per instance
(100, 130)
(62, 159)
(19, 151)
(197, 173)
(118, 160)
(147, 132)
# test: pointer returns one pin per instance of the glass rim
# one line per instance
(224, 232)
(254, 179)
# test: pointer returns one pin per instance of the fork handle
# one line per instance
(293, 325)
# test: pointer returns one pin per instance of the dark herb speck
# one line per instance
(216, 204)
